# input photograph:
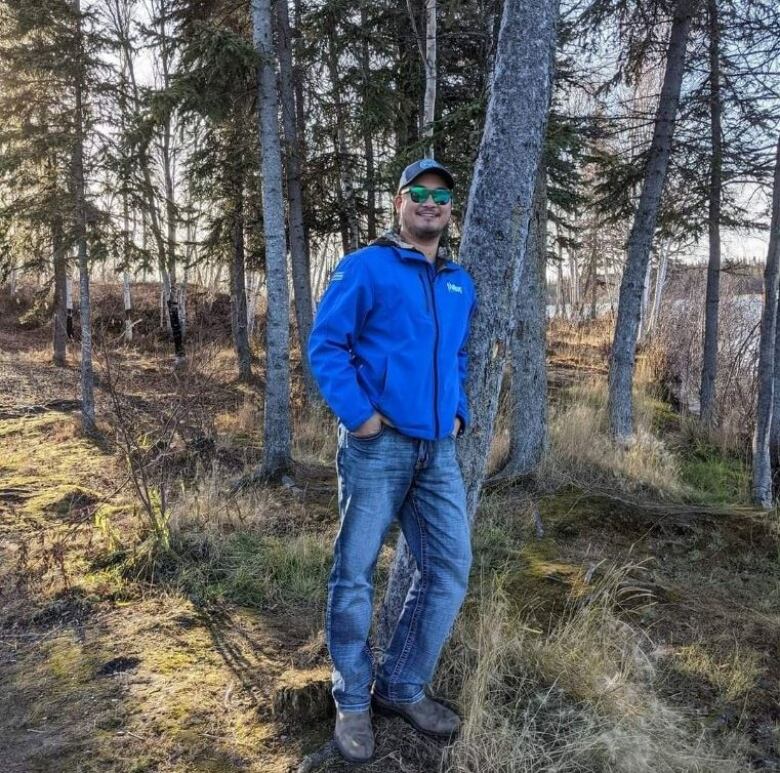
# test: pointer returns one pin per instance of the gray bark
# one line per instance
(60, 332)
(621, 371)
(767, 364)
(277, 424)
(80, 218)
(528, 431)
(299, 249)
(429, 99)
(496, 224)
(707, 395)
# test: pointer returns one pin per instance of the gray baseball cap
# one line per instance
(420, 167)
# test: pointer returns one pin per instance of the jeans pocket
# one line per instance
(367, 438)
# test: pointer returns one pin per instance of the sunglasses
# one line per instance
(419, 194)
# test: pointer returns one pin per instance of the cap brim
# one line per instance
(443, 173)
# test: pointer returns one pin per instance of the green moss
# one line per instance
(714, 477)
(254, 570)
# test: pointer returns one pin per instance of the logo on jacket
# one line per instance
(453, 288)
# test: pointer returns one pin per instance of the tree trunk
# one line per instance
(621, 372)
(80, 219)
(767, 364)
(707, 395)
(642, 329)
(660, 282)
(299, 250)
(496, 223)
(528, 439)
(429, 100)
(60, 333)
(277, 457)
(238, 306)
(128, 304)
(368, 131)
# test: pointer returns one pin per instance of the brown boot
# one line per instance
(354, 735)
(427, 715)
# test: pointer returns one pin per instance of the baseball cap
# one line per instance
(420, 167)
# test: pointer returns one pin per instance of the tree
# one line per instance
(623, 358)
(299, 248)
(767, 363)
(277, 458)
(497, 223)
(528, 430)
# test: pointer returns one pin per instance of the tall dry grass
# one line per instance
(580, 697)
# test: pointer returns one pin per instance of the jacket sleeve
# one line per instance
(462, 411)
(340, 317)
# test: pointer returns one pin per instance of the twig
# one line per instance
(316, 759)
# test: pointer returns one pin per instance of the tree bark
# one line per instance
(238, 303)
(528, 438)
(299, 248)
(767, 364)
(277, 457)
(60, 333)
(429, 100)
(368, 132)
(621, 371)
(497, 223)
(80, 220)
(707, 395)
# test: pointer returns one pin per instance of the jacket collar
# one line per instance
(393, 239)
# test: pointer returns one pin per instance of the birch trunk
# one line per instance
(641, 331)
(128, 304)
(80, 220)
(497, 223)
(69, 306)
(368, 133)
(767, 364)
(621, 371)
(277, 458)
(429, 100)
(528, 438)
(60, 332)
(660, 282)
(299, 249)
(707, 395)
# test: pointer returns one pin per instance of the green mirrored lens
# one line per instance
(419, 194)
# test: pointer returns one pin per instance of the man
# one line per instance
(388, 350)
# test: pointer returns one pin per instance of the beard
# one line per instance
(425, 231)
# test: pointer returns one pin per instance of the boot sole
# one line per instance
(389, 711)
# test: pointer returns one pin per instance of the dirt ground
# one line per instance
(106, 673)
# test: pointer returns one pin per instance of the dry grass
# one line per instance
(582, 452)
(581, 697)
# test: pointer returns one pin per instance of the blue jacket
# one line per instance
(390, 334)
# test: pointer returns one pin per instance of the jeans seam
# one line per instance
(402, 658)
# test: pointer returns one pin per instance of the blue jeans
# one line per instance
(381, 478)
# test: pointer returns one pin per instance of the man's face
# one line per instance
(428, 219)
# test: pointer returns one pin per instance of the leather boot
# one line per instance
(354, 735)
(427, 715)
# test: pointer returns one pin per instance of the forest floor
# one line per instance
(641, 631)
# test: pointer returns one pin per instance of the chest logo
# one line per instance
(453, 288)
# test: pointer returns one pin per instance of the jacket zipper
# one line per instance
(435, 352)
